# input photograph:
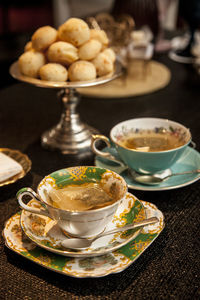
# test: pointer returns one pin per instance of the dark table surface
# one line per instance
(169, 268)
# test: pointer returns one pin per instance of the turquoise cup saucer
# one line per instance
(189, 161)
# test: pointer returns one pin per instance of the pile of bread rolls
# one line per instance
(74, 52)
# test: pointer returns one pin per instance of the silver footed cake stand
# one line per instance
(70, 135)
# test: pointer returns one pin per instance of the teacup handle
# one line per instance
(193, 144)
(31, 193)
(107, 155)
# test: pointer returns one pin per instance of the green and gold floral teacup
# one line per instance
(82, 200)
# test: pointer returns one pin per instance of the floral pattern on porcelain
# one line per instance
(125, 131)
(77, 175)
(43, 231)
(98, 266)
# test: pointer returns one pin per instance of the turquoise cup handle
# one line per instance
(107, 155)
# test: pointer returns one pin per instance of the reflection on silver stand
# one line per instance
(70, 135)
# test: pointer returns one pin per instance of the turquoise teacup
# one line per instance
(144, 159)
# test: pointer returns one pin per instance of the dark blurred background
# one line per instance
(19, 19)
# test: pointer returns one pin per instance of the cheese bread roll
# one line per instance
(53, 72)
(75, 31)
(81, 71)
(43, 37)
(89, 50)
(110, 53)
(30, 63)
(62, 52)
(28, 46)
(103, 64)
(99, 35)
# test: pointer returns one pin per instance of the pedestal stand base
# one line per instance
(70, 135)
(76, 143)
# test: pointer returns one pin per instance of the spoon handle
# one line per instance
(130, 226)
(186, 172)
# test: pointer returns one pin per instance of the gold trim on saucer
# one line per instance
(22, 159)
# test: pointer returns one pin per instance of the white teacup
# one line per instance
(77, 223)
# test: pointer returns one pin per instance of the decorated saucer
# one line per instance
(82, 267)
(46, 234)
(190, 160)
